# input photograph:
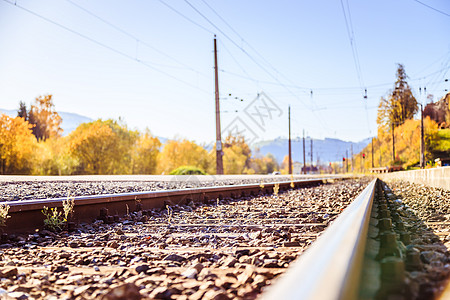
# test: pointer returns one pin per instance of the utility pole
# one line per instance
(290, 149)
(304, 154)
(346, 159)
(351, 155)
(372, 154)
(311, 155)
(393, 144)
(422, 141)
(219, 153)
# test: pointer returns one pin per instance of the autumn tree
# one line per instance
(262, 165)
(237, 153)
(145, 153)
(17, 144)
(54, 158)
(42, 115)
(182, 152)
(284, 168)
(102, 147)
(407, 146)
(399, 106)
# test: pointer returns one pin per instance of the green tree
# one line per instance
(399, 106)
(22, 111)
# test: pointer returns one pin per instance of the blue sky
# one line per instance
(154, 68)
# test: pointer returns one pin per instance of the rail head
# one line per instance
(331, 267)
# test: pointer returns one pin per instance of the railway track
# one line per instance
(219, 243)
(27, 215)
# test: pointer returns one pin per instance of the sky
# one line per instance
(151, 63)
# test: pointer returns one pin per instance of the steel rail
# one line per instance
(331, 267)
(27, 215)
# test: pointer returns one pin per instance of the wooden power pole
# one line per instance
(219, 152)
(422, 141)
(304, 154)
(290, 149)
(372, 154)
(393, 145)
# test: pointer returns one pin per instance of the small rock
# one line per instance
(291, 244)
(18, 295)
(112, 244)
(8, 272)
(216, 295)
(174, 257)
(141, 268)
(229, 262)
(80, 290)
(190, 273)
(59, 269)
(164, 292)
(65, 255)
(255, 235)
(73, 244)
(123, 292)
(270, 263)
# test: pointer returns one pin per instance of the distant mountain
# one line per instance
(324, 151)
(70, 121)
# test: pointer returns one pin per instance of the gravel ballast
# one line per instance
(37, 189)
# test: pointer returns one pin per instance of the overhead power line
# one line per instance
(351, 36)
(185, 17)
(242, 49)
(104, 45)
(435, 9)
(243, 40)
(321, 121)
(132, 36)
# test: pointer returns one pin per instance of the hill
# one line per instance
(324, 151)
(70, 121)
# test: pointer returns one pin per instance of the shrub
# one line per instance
(187, 170)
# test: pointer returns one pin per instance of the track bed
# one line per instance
(230, 248)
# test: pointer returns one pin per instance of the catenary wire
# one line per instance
(104, 45)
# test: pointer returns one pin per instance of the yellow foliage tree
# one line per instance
(236, 158)
(284, 169)
(17, 144)
(145, 154)
(102, 147)
(176, 153)
(53, 158)
(407, 146)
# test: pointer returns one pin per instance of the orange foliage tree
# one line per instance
(17, 144)
(46, 121)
